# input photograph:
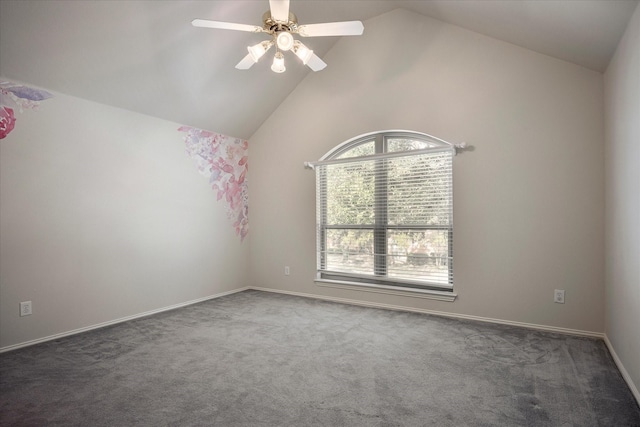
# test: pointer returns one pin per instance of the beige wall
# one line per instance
(104, 216)
(528, 200)
(622, 89)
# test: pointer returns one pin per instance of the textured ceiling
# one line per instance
(145, 56)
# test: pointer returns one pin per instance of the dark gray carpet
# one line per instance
(262, 359)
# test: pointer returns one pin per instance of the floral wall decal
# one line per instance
(223, 160)
(14, 96)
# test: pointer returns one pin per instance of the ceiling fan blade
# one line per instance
(279, 10)
(315, 63)
(246, 63)
(226, 25)
(346, 28)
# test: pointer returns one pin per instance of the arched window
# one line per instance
(385, 212)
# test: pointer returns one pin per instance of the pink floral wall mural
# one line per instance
(17, 97)
(223, 160)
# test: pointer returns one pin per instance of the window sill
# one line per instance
(390, 290)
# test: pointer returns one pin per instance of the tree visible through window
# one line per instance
(385, 211)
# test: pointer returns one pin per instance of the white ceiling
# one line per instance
(145, 56)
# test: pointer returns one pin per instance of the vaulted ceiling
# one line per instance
(145, 56)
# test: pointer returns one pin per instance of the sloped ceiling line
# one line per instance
(146, 57)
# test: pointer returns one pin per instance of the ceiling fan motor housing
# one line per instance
(274, 27)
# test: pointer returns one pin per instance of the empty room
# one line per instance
(320, 213)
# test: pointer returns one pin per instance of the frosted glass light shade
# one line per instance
(278, 63)
(258, 50)
(284, 41)
(302, 52)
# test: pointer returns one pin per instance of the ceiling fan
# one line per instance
(281, 25)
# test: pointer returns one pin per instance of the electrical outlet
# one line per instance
(286, 270)
(25, 308)
(558, 296)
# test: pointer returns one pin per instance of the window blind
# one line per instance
(387, 218)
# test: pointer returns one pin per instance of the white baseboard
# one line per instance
(116, 321)
(326, 298)
(439, 313)
(618, 362)
(623, 371)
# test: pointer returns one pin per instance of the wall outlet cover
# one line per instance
(25, 308)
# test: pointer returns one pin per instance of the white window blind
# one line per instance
(387, 218)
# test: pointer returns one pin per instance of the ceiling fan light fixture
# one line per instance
(278, 63)
(284, 40)
(281, 25)
(302, 52)
(258, 50)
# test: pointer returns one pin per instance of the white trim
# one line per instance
(391, 132)
(555, 329)
(113, 322)
(623, 371)
(626, 376)
(389, 290)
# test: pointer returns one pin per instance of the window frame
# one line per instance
(379, 279)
